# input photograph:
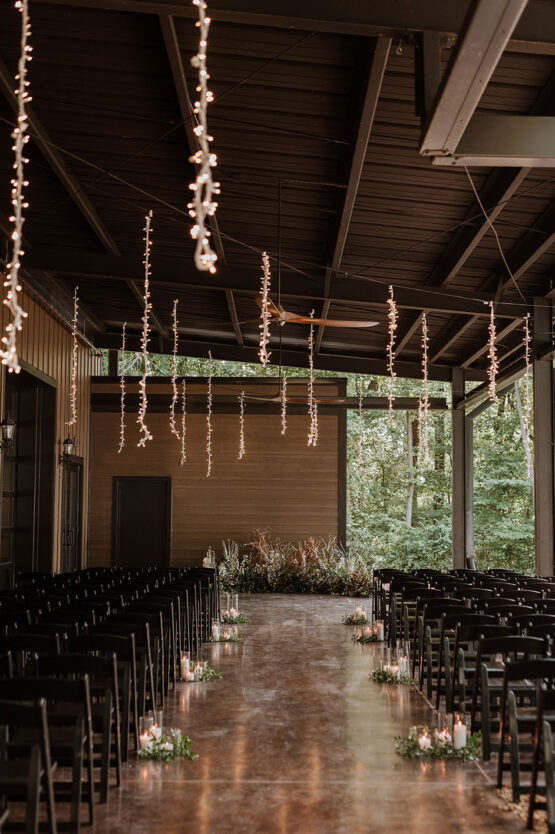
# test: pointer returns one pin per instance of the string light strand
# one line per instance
(284, 404)
(173, 427)
(527, 411)
(209, 418)
(8, 352)
(74, 358)
(143, 402)
(393, 318)
(360, 420)
(183, 420)
(122, 390)
(242, 425)
(203, 204)
(493, 367)
(265, 316)
(424, 399)
(311, 431)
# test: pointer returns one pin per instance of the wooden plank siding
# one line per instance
(45, 346)
(281, 484)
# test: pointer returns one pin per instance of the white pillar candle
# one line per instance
(459, 735)
(215, 631)
(198, 670)
(233, 613)
(156, 731)
(357, 612)
(145, 740)
(380, 631)
(425, 742)
(184, 666)
(190, 676)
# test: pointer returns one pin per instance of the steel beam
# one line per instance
(504, 141)
(477, 52)
(543, 440)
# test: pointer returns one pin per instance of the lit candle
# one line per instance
(358, 612)
(444, 737)
(459, 735)
(184, 666)
(233, 614)
(363, 614)
(145, 740)
(190, 676)
(226, 635)
(198, 670)
(156, 731)
(379, 630)
(215, 631)
(366, 631)
(425, 742)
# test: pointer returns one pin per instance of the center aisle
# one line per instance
(295, 739)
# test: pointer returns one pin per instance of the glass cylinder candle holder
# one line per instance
(184, 665)
(215, 631)
(444, 732)
(379, 630)
(461, 730)
(424, 738)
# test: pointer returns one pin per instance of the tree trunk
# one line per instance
(525, 437)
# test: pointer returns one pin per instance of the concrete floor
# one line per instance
(296, 739)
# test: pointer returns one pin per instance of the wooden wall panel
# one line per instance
(281, 484)
(45, 345)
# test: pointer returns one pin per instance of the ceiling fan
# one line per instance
(277, 313)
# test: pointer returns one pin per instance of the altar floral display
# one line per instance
(314, 566)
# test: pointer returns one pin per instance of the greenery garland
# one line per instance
(383, 676)
(210, 674)
(169, 747)
(352, 619)
(365, 638)
(240, 619)
(409, 748)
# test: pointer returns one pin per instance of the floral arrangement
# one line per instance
(168, 747)
(314, 566)
(239, 619)
(361, 637)
(387, 676)
(355, 619)
(210, 674)
(409, 747)
(228, 637)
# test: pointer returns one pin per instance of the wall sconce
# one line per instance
(68, 447)
(7, 433)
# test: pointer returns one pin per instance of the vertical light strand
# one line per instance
(527, 411)
(315, 423)
(183, 420)
(283, 395)
(493, 367)
(264, 325)
(360, 420)
(143, 402)
(393, 318)
(74, 358)
(311, 381)
(8, 352)
(173, 427)
(209, 418)
(122, 392)
(204, 188)
(424, 399)
(242, 425)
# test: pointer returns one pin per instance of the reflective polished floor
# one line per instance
(296, 739)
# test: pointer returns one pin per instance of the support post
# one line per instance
(113, 363)
(543, 439)
(458, 485)
(469, 492)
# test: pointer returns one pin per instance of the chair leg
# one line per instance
(486, 715)
(77, 776)
(106, 751)
(33, 793)
(513, 730)
(549, 782)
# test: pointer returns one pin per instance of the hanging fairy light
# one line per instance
(393, 317)
(183, 420)
(242, 425)
(527, 411)
(122, 390)
(209, 419)
(204, 188)
(311, 431)
(284, 404)
(264, 325)
(143, 402)
(8, 352)
(74, 358)
(360, 420)
(424, 399)
(173, 427)
(492, 355)
(315, 423)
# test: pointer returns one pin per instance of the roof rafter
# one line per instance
(376, 72)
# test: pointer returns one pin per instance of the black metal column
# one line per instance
(543, 439)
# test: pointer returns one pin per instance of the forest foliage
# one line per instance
(399, 515)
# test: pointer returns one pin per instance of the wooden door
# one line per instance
(141, 521)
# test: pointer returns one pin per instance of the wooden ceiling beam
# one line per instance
(56, 161)
(501, 334)
(376, 72)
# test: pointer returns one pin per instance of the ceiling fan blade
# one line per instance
(319, 400)
(291, 318)
(264, 399)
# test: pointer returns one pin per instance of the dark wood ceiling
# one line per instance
(293, 108)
